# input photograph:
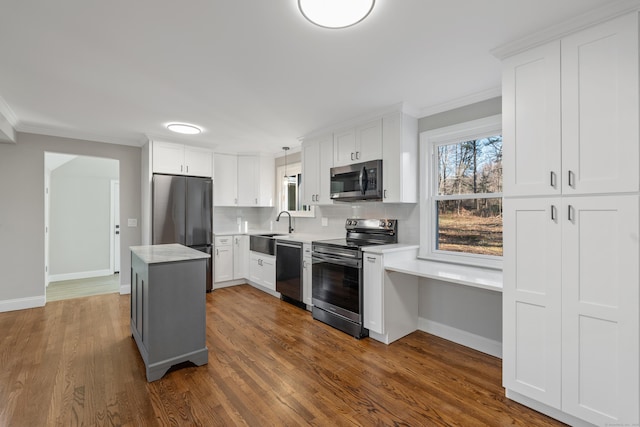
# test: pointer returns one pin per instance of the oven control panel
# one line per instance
(371, 224)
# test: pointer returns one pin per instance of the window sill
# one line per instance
(477, 277)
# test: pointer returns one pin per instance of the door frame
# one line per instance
(112, 226)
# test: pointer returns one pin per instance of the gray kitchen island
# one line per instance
(168, 319)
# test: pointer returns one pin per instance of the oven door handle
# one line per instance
(335, 260)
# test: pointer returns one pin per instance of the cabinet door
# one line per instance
(198, 162)
(344, 147)
(223, 263)
(307, 275)
(531, 122)
(310, 171)
(255, 269)
(225, 183)
(531, 298)
(601, 298)
(240, 256)
(168, 158)
(600, 149)
(373, 293)
(399, 158)
(324, 176)
(369, 141)
(248, 174)
(265, 181)
(268, 273)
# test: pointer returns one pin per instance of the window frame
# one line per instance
(429, 140)
(294, 168)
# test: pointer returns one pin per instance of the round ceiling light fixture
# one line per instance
(335, 13)
(184, 128)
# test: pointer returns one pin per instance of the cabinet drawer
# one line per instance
(223, 240)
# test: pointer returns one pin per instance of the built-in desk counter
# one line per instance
(391, 290)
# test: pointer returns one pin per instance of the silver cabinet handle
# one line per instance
(384, 194)
(357, 155)
(256, 201)
(570, 213)
(352, 156)
(236, 240)
(304, 263)
(181, 168)
(235, 201)
(217, 252)
(187, 168)
(553, 179)
(553, 212)
(571, 179)
(371, 259)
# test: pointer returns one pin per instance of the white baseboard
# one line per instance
(22, 303)
(125, 289)
(459, 336)
(548, 410)
(79, 275)
(228, 283)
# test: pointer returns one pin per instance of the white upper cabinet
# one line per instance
(317, 160)
(358, 144)
(225, 181)
(399, 158)
(179, 159)
(570, 112)
(244, 180)
(531, 128)
(600, 124)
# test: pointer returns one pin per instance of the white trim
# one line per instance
(473, 129)
(459, 336)
(595, 16)
(112, 225)
(22, 303)
(79, 275)
(125, 288)
(463, 101)
(7, 112)
(133, 140)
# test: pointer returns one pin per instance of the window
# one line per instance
(289, 195)
(461, 204)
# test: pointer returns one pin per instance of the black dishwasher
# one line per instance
(289, 271)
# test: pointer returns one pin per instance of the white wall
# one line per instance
(80, 210)
(22, 211)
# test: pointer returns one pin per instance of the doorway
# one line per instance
(82, 249)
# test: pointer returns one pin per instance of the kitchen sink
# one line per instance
(264, 243)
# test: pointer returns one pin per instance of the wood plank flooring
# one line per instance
(67, 289)
(74, 363)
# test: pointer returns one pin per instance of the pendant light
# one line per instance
(286, 178)
(335, 13)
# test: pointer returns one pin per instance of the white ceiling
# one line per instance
(253, 73)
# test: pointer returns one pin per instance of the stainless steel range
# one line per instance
(337, 273)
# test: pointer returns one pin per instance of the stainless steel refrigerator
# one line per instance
(182, 213)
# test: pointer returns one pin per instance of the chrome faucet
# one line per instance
(287, 212)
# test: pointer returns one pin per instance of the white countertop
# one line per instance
(384, 249)
(296, 237)
(155, 254)
(476, 277)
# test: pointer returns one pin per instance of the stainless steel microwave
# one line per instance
(360, 181)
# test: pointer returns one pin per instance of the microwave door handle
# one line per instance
(363, 180)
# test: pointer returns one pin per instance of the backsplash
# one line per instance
(225, 219)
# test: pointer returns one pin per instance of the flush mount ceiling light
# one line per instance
(184, 128)
(335, 13)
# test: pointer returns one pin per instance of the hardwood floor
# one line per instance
(67, 289)
(74, 363)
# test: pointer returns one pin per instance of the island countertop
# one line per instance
(155, 254)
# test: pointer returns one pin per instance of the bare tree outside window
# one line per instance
(469, 196)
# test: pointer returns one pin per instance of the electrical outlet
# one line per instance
(325, 222)
(132, 222)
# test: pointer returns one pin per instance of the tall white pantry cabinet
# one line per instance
(571, 296)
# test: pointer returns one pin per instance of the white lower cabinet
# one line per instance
(262, 270)
(240, 256)
(223, 259)
(571, 305)
(390, 300)
(373, 278)
(307, 274)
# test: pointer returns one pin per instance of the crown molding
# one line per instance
(555, 32)
(7, 122)
(494, 92)
(133, 140)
